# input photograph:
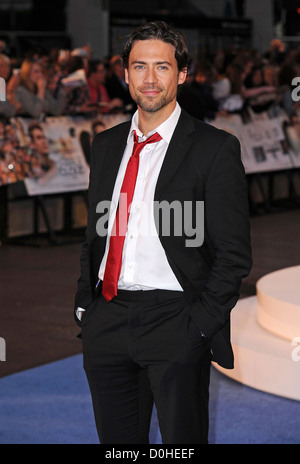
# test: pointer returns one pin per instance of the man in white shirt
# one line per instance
(154, 306)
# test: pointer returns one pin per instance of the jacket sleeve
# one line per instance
(84, 294)
(227, 224)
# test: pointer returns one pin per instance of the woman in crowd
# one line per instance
(257, 93)
(33, 95)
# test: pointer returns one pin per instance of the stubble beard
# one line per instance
(152, 104)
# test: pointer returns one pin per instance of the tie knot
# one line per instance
(152, 139)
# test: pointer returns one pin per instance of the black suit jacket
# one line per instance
(202, 163)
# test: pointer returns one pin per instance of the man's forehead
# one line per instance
(152, 47)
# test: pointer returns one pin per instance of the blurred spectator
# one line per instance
(191, 99)
(9, 107)
(232, 102)
(33, 95)
(258, 95)
(276, 53)
(255, 78)
(41, 56)
(246, 61)
(97, 89)
(57, 70)
(116, 85)
(77, 94)
(221, 87)
(270, 74)
(204, 77)
(84, 53)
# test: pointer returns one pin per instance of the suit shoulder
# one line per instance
(216, 135)
(112, 132)
(204, 132)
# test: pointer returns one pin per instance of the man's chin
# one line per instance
(150, 105)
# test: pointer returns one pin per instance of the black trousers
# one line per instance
(143, 347)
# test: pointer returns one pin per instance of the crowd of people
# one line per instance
(71, 82)
(231, 81)
(63, 82)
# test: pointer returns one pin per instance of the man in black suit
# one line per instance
(155, 310)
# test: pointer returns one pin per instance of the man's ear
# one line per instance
(182, 76)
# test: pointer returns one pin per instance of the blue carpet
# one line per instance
(51, 404)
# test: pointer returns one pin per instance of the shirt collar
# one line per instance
(165, 129)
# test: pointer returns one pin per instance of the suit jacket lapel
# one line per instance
(107, 173)
(178, 148)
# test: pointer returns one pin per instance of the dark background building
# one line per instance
(27, 24)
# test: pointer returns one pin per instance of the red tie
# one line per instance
(114, 258)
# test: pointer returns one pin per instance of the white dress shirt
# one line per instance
(144, 262)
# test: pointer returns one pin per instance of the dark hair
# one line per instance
(33, 126)
(159, 30)
(96, 123)
(74, 63)
(93, 65)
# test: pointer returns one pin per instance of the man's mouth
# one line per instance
(150, 92)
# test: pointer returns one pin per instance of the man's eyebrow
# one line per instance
(156, 62)
(138, 61)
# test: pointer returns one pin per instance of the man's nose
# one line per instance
(150, 76)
